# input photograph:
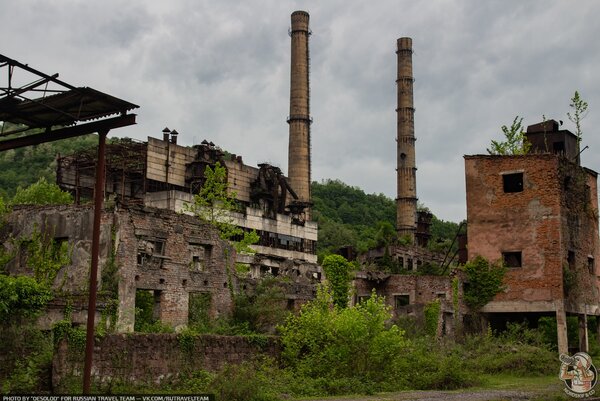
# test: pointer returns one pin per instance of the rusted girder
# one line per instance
(69, 132)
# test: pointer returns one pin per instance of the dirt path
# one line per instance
(550, 393)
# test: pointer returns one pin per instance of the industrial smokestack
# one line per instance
(406, 202)
(299, 119)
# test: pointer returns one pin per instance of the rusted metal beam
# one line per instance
(98, 203)
(52, 78)
(69, 132)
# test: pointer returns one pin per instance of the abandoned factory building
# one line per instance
(174, 256)
(538, 213)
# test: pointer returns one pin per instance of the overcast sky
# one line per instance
(220, 70)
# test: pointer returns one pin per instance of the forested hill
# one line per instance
(24, 166)
(348, 216)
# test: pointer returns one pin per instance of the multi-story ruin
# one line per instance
(146, 244)
(538, 214)
(161, 173)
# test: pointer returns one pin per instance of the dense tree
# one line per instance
(42, 193)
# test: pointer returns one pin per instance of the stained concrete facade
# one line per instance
(171, 255)
(538, 213)
(172, 173)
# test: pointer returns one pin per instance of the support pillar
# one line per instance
(584, 345)
(561, 329)
(98, 204)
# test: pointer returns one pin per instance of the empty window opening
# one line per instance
(401, 300)
(511, 259)
(558, 147)
(147, 309)
(201, 255)
(513, 182)
(571, 259)
(199, 305)
(441, 295)
(591, 264)
(150, 253)
(290, 304)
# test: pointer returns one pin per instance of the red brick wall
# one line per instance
(544, 221)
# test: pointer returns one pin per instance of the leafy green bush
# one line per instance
(42, 193)
(263, 309)
(333, 343)
(21, 296)
(484, 281)
(337, 270)
(27, 359)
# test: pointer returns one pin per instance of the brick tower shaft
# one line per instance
(406, 201)
(299, 119)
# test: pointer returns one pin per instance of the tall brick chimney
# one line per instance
(299, 119)
(406, 201)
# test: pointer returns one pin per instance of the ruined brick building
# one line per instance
(156, 248)
(538, 213)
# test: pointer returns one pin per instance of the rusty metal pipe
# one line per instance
(98, 203)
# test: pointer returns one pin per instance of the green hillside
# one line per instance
(348, 216)
(24, 166)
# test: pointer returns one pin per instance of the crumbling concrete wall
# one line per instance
(581, 250)
(173, 255)
(61, 223)
(154, 359)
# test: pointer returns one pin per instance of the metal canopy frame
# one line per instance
(63, 111)
(47, 109)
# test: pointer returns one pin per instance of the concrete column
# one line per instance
(561, 329)
(583, 333)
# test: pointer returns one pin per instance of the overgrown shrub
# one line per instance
(334, 343)
(337, 270)
(27, 359)
(484, 281)
(21, 297)
(42, 193)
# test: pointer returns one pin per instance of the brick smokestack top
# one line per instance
(406, 202)
(299, 119)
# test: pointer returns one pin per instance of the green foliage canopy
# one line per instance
(21, 296)
(214, 204)
(42, 193)
(348, 216)
(337, 270)
(484, 281)
(24, 166)
(353, 342)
